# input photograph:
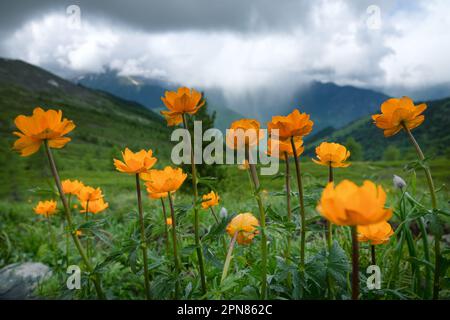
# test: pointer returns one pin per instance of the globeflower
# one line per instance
(94, 207)
(72, 187)
(243, 133)
(179, 102)
(39, 127)
(399, 113)
(162, 181)
(350, 205)
(377, 233)
(332, 154)
(292, 125)
(135, 163)
(88, 193)
(45, 208)
(245, 225)
(209, 200)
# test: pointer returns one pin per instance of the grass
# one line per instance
(24, 236)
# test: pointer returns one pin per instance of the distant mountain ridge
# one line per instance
(433, 134)
(148, 92)
(327, 103)
(331, 105)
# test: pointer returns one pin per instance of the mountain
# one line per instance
(433, 134)
(105, 124)
(335, 106)
(148, 92)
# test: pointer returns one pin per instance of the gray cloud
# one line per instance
(241, 47)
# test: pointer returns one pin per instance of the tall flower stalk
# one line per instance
(137, 164)
(292, 128)
(437, 237)
(95, 276)
(161, 183)
(302, 206)
(174, 244)
(262, 217)
(346, 205)
(143, 237)
(401, 114)
(288, 201)
(198, 244)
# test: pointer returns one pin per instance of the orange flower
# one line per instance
(295, 124)
(72, 187)
(245, 224)
(158, 195)
(243, 132)
(398, 112)
(78, 233)
(377, 233)
(89, 194)
(330, 153)
(137, 162)
(95, 206)
(169, 221)
(45, 208)
(162, 181)
(183, 101)
(350, 205)
(210, 200)
(284, 146)
(42, 125)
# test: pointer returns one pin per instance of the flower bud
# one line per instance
(223, 212)
(398, 182)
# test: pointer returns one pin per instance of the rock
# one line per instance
(19, 280)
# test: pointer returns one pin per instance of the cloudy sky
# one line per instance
(239, 46)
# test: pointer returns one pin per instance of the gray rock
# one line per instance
(19, 280)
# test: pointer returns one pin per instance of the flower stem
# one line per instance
(288, 203)
(198, 244)
(174, 243)
(355, 265)
(437, 238)
(302, 206)
(373, 255)
(228, 258)
(426, 250)
(143, 238)
(96, 277)
(262, 216)
(166, 230)
(214, 214)
(329, 225)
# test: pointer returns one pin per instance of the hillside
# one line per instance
(105, 124)
(433, 135)
(335, 106)
(148, 92)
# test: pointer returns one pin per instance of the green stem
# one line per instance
(198, 244)
(96, 277)
(143, 237)
(228, 258)
(426, 252)
(373, 255)
(288, 204)
(302, 206)
(437, 238)
(355, 265)
(262, 216)
(329, 225)
(214, 214)
(174, 243)
(166, 230)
